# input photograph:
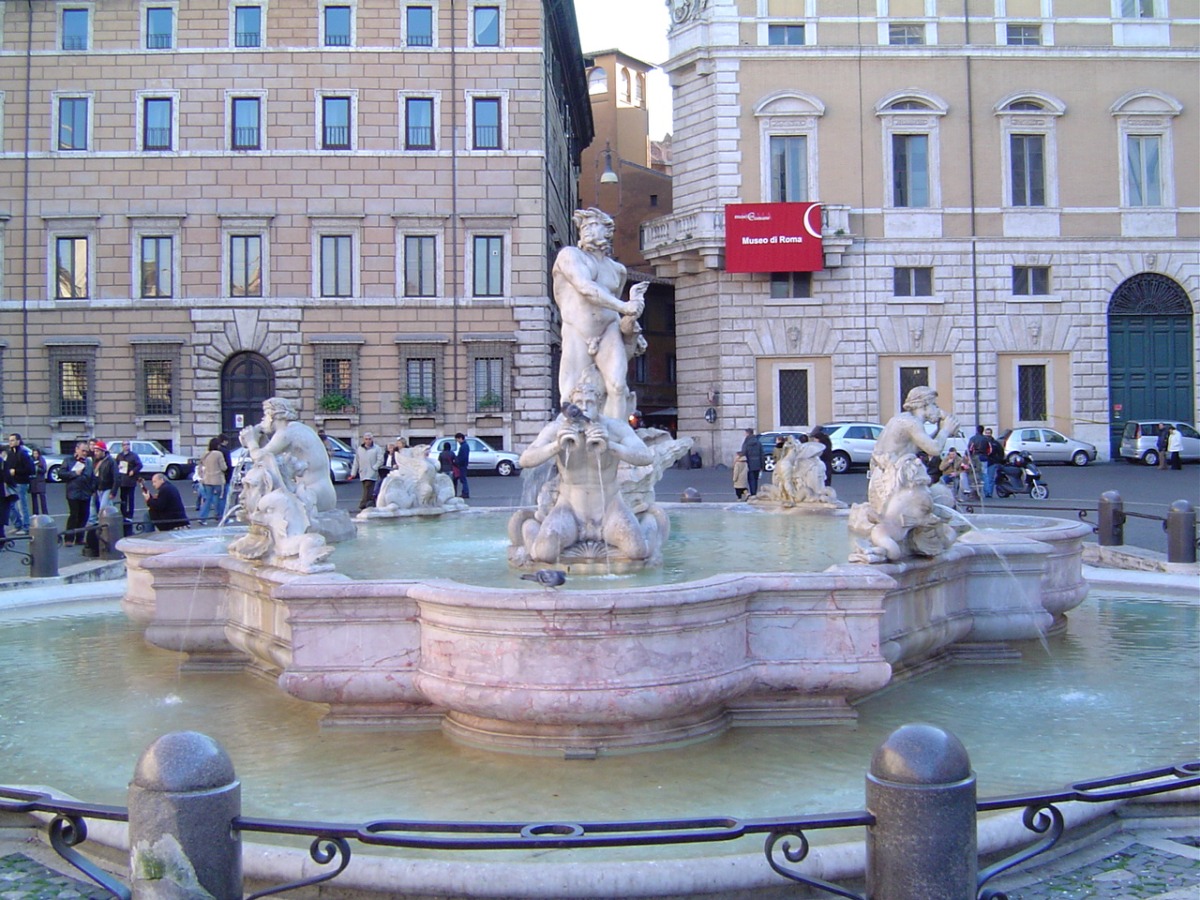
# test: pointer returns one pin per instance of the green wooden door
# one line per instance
(1150, 362)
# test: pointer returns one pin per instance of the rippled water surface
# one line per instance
(82, 695)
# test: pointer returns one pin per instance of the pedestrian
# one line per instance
(995, 459)
(367, 460)
(446, 463)
(18, 472)
(129, 470)
(104, 471)
(462, 462)
(753, 451)
(37, 487)
(1175, 448)
(164, 505)
(212, 483)
(80, 486)
(229, 467)
(1164, 433)
(818, 434)
(740, 482)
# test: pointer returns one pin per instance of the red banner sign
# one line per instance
(773, 237)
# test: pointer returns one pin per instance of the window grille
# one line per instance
(1031, 393)
(793, 397)
(159, 385)
(73, 387)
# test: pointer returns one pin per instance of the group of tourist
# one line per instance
(454, 461)
(749, 461)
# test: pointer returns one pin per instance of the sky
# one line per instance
(636, 27)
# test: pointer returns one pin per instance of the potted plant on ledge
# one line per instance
(489, 402)
(335, 402)
(415, 403)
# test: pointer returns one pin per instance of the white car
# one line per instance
(1046, 445)
(156, 458)
(484, 457)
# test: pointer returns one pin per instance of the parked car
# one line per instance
(767, 439)
(54, 463)
(341, 458)
(1046, 445)
(853, 443)
(484, 457)
(156, 458)
(1139, 441)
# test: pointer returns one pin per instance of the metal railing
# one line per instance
(786, 842)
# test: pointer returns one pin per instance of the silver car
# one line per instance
(484, 457)
(1139, 441)
(1046, 445)
(853, 443)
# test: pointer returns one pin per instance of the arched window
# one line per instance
(598, 81)
(1029, 149)
(911, 153)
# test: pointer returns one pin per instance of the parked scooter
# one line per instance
(1024, 478)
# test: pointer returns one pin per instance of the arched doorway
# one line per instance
(1151, 373)
(246, 381)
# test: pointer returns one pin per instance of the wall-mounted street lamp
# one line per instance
(609, 175)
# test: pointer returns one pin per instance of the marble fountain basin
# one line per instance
(606, 669)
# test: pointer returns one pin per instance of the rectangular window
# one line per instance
(910, 170)
(906, 35)
(640, 369)
(672, 369)
(1024, 35)
(160, 28)
(1031, 393)
(418, 123)
(486, 21)
(911, 377)
(245, 265)
(245, 133)
(1144, 169)
(789, 168)
(337, 26)
(73, 387)
(1028, 155)
(337, 377)
(1139, 9)
(912, 281)
(156, 123)
(158, 376)
(785, 35)
(73, 123)
(793, 397)
(247, 26)
(156, 267)
(71, 268)
(487, 122)
(1030, 281)
(488, 265)
(420, 385)
(418, 22)
(489, 386)
(75, 29)
(791, 285)
(336, 268)
(335, 123)
(420, 253)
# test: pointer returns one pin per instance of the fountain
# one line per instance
(532, 668)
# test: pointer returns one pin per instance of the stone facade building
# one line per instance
(347, 202)
(1009, 200)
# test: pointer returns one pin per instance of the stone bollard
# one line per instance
(1111, 512)
(112, 529)
(182, 799)
(921, 790)
(1181, 533)
(43, 547)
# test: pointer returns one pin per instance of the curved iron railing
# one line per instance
(786, 844)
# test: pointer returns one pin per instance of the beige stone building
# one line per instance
(1010, 210)
(348, 202)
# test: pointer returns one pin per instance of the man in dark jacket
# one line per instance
(165, 505)
(753, 451)
(105, 471)
(129, 467)
(80, 486)
(18, 472)
(818, 434)
(462, 459)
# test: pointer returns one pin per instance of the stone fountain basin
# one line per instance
(590, 671)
